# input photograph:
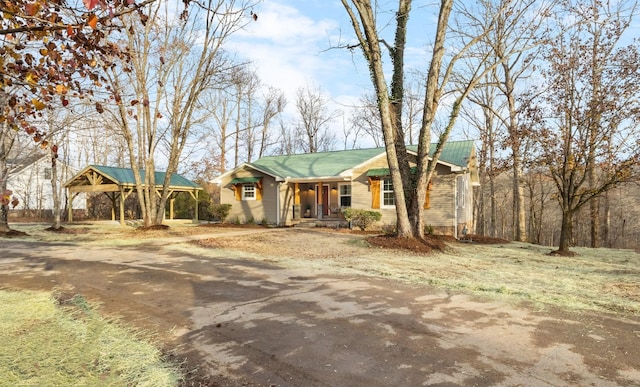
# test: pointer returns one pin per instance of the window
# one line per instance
(462, 191)
(47, 173)
(388, 200)
(249, 192)
(345, 195)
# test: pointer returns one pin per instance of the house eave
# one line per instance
(315, 179)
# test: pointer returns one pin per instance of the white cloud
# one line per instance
(285, 46)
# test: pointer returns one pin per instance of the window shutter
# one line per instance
(238, 190)
(259, 190)
(427, 196)
(375, 192)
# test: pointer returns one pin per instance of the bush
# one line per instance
(220, 211)
(361, 218)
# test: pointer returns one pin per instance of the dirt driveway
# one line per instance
(242, 322)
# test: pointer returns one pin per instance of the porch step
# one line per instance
(306, 224)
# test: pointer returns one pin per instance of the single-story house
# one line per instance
(284, 190)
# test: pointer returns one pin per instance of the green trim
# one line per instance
(378, 172)
(242, 180)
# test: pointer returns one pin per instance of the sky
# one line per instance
(293, 44)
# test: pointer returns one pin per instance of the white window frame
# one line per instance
(249, 188)
(340, 195)
(383, 191)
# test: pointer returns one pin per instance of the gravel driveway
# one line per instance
(240, 322)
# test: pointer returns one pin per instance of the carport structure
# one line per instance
(118, 183)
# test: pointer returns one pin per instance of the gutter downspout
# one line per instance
(455, 207)
(278, 203)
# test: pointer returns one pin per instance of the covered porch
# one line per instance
(320, 199)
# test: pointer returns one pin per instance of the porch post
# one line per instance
(296, 201)
(320, 203)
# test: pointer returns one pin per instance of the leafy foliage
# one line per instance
(361, 218)
(53, 50)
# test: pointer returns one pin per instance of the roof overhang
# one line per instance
(454, 167)
(218, 180)
(316, 179)
(242, 180)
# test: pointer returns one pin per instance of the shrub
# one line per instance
(429, 230)
(361, 218)
(220, 211)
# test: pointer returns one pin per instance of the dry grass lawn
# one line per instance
(602, 280)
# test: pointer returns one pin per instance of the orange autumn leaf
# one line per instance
(39, 105)
(61, 89)
(31, 78)
(32, 8)
(93, 21)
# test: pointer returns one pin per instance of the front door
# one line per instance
(325, 200)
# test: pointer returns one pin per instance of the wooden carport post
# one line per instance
(70, 205)
(122, 205)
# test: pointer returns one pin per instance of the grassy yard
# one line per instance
(47, 343)
(601, 280)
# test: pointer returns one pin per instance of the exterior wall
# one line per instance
(441, 214)
(246, 210)
(32, 186)
(464, 203)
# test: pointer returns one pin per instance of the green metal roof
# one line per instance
(321, 164)
(124, 176)
(240, 180)
(454, 152)
(330, 164)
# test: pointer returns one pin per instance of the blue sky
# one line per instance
(293, 42)
(290, 46)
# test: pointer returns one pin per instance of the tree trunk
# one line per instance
(519, 213)
(4, 208)
(56, 195)
(566, 232)
(606, 227)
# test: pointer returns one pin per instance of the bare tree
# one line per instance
(489, 130)
(366, 119)
(273, 105)
(173, 63)
(513, 43)
(590, 137)
(315, 117)
(410, 188)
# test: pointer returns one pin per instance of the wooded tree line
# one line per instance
(548, 88)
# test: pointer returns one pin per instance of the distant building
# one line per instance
(30, 181)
